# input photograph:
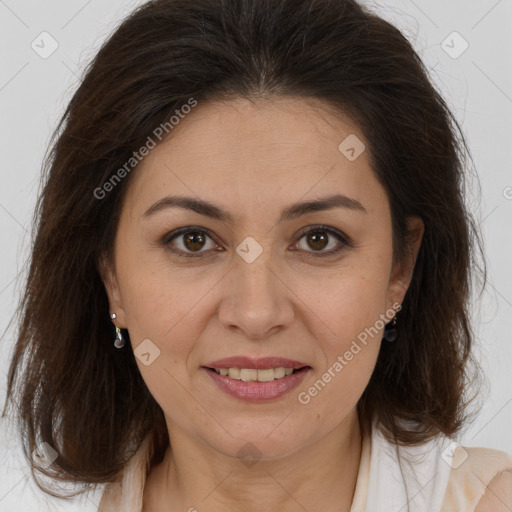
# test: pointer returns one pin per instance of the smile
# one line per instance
(251, 374)
(250, 385)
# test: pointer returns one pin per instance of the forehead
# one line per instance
(256, 154)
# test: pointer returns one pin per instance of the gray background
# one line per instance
(477, 84)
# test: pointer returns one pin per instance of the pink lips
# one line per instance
(253, 391)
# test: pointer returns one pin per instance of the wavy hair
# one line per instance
(68, 385)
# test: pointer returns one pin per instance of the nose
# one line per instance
(256, 298)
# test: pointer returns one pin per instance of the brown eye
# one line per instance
(188, 242)
(319, 238)
(193, 240)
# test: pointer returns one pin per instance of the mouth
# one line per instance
(256, 375)
(256, 385)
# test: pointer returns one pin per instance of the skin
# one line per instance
(254, 159)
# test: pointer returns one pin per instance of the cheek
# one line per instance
(349, 338)
(155, 294)
(347, 301)
(345, 315)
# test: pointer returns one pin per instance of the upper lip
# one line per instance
(257, 364)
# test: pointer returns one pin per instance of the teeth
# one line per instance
(251, 374)
(248, 374)
(265, 375)
(279, 373)
(234, 373)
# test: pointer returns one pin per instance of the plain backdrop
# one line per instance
(467, 48)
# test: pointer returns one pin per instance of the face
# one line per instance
(193, 289)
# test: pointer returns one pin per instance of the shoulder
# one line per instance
(480, 480)
(498, 494)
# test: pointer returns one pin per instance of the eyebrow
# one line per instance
(289, 213)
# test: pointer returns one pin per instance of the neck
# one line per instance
(320, 476)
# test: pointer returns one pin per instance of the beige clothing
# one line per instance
(439, 478)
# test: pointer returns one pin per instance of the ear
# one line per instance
(109, 278)
(402, 272)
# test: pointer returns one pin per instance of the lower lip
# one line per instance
(254, 391)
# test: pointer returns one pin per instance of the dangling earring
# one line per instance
(390, 331)
(119, 341)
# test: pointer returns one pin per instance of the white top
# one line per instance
(437, 476)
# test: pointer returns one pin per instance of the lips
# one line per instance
(261, 363)
(256, 391)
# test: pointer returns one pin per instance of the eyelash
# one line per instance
(169, 237)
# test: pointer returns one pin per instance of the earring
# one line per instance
(390, 331)
(119, 341)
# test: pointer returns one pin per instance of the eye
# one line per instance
(190, 239)
(317, 238)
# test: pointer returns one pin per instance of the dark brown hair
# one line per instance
(69, 386)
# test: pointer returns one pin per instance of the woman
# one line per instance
(250, 280)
